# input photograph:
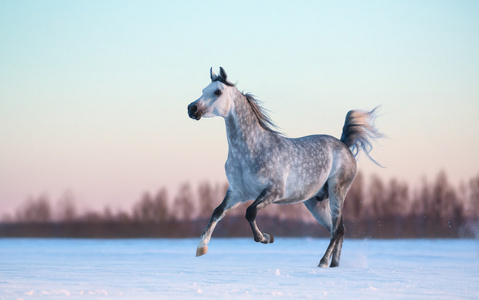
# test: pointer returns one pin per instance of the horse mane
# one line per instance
(263, 119)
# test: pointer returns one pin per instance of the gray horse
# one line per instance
(267, 167)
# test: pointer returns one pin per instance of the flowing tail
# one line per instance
(359, 132)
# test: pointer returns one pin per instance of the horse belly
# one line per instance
(299, 192)
(305, 182)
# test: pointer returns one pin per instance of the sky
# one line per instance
(93, 94)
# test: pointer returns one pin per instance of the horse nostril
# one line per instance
(193, 109)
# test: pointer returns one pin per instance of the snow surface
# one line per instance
(237, 269)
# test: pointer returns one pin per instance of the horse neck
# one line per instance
(242, 127)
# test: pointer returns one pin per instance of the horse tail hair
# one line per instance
(359, 131)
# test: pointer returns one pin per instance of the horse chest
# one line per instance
(244, 175)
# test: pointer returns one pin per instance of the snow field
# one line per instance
(237, 269)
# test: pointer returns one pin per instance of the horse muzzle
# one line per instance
(194, 111)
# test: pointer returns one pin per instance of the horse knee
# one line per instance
(251, 213)
(218, 211)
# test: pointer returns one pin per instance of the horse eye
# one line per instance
(218, 92)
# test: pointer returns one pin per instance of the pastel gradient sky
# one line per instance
(93, 94)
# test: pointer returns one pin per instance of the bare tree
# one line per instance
(66, 210)
(92, 217)
(206, 199)
(353, 205)
(184, 208)
(107, 215)
(444, 197)
(36, 211)
(143, 210)
(377, 194)
(161, 205)
(474, 197)
(152, 210)
(123, 217)
(296, 211)
(421, 200)
(397, 199)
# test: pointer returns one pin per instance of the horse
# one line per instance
(265, 166)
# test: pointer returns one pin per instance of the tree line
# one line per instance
(374, 208)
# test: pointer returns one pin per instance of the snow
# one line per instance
(237, 269)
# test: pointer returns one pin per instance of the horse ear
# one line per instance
(223, 74)
(213, 75)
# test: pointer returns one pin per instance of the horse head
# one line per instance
(216, 99)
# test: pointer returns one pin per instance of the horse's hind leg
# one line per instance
(337, 193)
(319, 208)
(228, 203)
(337, 235)
(266, 197)
(338, 244)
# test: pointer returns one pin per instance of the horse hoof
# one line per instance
(201, 251)
(268, 238)
(323, 263)
(334, 264)
(271, 238)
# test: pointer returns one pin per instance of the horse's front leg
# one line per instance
(267, 196)
(228, 202)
